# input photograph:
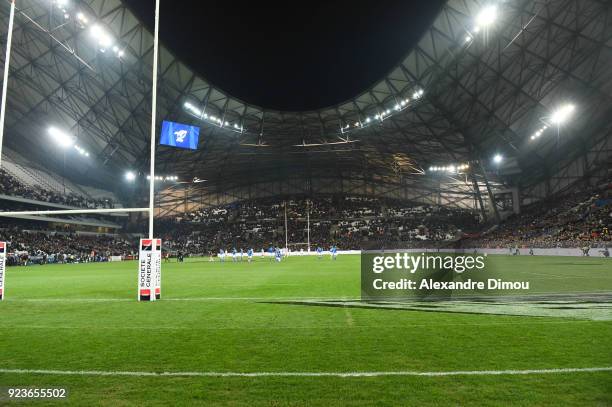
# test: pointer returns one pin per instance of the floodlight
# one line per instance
(130, 176)
(561, 115)
(487, 16)
(103, 38)
(62, 139)
(498, 158)
(468, 38)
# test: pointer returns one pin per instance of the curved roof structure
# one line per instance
(466, 91)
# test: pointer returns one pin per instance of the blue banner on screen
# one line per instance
(179, 135)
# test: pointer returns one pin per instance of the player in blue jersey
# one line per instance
(234, 253)
(319, 252)
(250, 255)
(278, 254)
(334, 252)
(222, 255)
(271, 252)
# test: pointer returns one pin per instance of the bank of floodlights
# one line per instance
(61, 138)
(81, 150)
(202, 115)
(104, 40)
(483, 20)
(65, 140)
(449, 169)
(163, 178)
(383, 114)
(559, 117)
(486, 17)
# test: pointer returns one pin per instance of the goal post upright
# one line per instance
(153, 120)
(149, 254)
(7, 61)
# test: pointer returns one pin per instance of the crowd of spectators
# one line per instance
(10, 185)
(38, 247)
(577, 220)
(346, 222)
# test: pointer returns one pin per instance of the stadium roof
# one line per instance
(465, 92)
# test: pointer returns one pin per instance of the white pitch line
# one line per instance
(307, 374)
(287, 327)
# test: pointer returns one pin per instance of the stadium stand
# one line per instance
(575, 220)
(11, 185)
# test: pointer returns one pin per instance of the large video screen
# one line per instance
(179, 135)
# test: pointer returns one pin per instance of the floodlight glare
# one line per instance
(103, 38)
(498, 158)
(62, 139)
(563, 113)
(130, 176)
(487, 16)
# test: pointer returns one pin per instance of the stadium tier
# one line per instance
(306, 204)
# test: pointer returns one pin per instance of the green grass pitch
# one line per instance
(221, 318)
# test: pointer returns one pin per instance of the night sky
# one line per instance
(292, 56)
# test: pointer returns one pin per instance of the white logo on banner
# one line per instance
(180, 135)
